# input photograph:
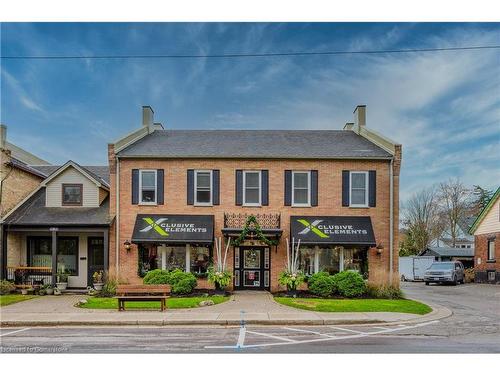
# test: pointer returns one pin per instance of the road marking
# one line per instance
(307, 331)
(346, 329)
(330, 338)
(271, 336)
(12, 332)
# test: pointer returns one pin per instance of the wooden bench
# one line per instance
(142, 293)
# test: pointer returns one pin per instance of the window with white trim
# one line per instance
(203, 188)
(358, 183)
(252, 188)
(491, 249)
(301, 188)
(147, 186)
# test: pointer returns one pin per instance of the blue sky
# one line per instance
(443, 107)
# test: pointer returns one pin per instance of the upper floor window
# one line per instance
(252, 188)
(72, 194)
(359, 189)
(301, 188)
(203, 187)
(147, 186)
(491, 249)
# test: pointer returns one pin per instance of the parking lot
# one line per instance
(473, 327)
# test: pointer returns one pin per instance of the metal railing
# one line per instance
(29, 276)
(238, 220)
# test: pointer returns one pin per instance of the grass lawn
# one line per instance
(356, 305)
(9, 299)
(172, 303)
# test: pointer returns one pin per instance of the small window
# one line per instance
(491, 249)
(301, 188)
(72, 194)
(491, 275)
(147, 186)
(252, 183)
(203, 187)
(359, 189)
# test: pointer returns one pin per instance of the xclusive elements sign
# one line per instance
(173, 228)
(332, 230)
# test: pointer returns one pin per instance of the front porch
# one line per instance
(41, 255)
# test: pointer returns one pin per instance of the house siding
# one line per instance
(491, 222)
(72, 176)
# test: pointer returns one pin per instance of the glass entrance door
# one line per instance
(252, 268)
(95, 257)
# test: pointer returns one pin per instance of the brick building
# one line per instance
(172, 192)
(486, 231)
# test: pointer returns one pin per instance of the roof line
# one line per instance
(81, 169)
(258, 157)
(2, 219)
(484, 211)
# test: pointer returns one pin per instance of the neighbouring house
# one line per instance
(172, 192)
(463, 240)
(447, 253)
(62, 226)
(18, 178)
(486, 231)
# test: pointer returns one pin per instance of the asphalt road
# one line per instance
(474, 327)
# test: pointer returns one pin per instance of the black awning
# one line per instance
(334, 230)
(173, 228)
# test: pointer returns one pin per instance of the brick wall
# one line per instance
(329, 204)
(481, 264)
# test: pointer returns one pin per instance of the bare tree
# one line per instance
(422, 218)
(454, 202)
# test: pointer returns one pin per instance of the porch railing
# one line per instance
(29, 276)
(238, 220)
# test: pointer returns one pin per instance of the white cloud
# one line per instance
(26, 100)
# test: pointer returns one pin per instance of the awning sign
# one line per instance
(173, 228)
(341, 230)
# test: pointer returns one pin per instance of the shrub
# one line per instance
(6, 287)
(384, 291)
(182, 282)
(219, 279)
(157, 277)
(321, 284)
(349, 283)
(109, 288)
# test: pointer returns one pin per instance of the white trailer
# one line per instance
(412, 268)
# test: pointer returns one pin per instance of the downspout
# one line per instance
(391, 221)
(117, 231)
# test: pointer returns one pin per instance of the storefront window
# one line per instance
(329, 260)
(355, 259)
(306, 260)
(200, 259)
(40, 253)
(147, 259)
(174, 258)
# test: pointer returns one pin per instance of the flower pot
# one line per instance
(98, 286)
(62, 286)
(57, 292)
(41, 292)
(49, 291)
(291, 293)
(24, 292)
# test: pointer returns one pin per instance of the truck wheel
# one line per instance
(426, 283)
(455, 281)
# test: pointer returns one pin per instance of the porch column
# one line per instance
(105, 236)
(54, 255)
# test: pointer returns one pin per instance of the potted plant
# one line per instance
(57, 292)
(98, 277)
(48, 288)
(218, 274)
(62, 278)
(292, 277)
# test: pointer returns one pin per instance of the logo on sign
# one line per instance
(165, 228)
(324, 230)
(155, 225)
(312, 227)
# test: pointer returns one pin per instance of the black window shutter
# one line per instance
(265, 187)
(372, 188)
(345, 188)
(135, 186)
(159, 186)
(215, 186)
(288, 188)
(190, 186)
(239, 187)
(314, 188)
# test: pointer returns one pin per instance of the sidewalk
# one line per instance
(257, 308)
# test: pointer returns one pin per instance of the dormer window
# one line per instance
(72, 194)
